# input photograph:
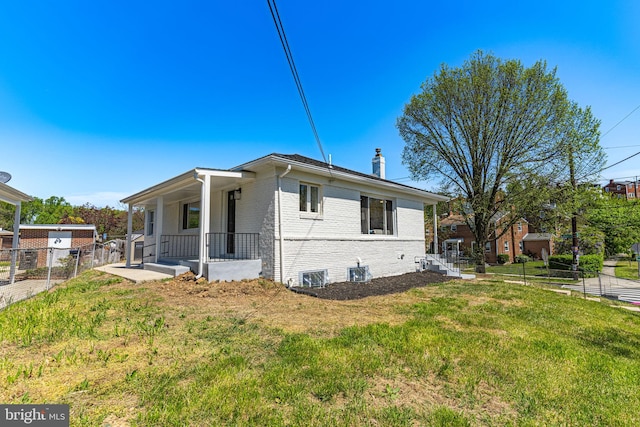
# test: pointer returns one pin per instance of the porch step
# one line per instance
(173, 270)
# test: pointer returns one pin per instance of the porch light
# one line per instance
(237, 194)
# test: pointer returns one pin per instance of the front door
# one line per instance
(231, 222)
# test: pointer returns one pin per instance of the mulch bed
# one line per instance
(377, 286)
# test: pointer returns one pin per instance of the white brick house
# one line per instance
(285, 217)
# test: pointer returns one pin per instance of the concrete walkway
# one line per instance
(135, 273)
(23, 289)
(609, 285)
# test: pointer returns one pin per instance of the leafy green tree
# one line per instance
(618, 220)
(28, 212)
(54, 209)
(484, 126)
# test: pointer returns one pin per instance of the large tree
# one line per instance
(482, 127)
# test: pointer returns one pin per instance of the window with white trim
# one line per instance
(310, 199)
(376, 216)
(190, 215)
(151, 219)
(521, 245)
(519, 226)
(454, 227)
(506, 246)
(487, 247)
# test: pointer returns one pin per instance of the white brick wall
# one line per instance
(333, 239)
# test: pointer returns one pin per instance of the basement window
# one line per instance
(314, 279)
(359, 274)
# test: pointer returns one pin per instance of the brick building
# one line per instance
(454, 227)
(622, 189)
(61, 237)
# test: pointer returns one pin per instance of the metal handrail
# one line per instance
(233, 246)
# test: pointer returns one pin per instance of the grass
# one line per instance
(627, 270)
(453, 354)
(535, 271)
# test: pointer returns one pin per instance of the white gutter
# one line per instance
(281, 237)
(202, 218)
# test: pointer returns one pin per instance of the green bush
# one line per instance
(587, 263)
(521, 259)
(503, 259)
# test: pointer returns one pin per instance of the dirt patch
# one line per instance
(273, 305)
(377, 286)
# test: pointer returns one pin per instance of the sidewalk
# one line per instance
(135, 273)
(607, 284)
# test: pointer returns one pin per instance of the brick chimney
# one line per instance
(378, 164)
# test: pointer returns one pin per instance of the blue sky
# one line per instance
(99, 100)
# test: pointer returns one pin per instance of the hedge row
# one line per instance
(590, 263)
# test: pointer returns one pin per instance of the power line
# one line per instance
(621, 146)
(292, 66)
(623, 119)
(617, 163)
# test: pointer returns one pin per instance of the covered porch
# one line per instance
(191, 223)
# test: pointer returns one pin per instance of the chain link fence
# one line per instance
(29, 271)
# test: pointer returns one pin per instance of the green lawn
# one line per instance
(627, 269)
(482, 353)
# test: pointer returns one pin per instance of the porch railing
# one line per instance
(220, 246)
(233, 246)
(179, 246)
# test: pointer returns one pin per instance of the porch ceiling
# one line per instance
(186, 186)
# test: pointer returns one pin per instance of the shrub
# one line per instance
(587, 263)
(521, 259)
(503, 258)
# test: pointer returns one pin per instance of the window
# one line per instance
(190, 215)
(617, 187)
(606, 189)
(314, 279)
(487, 247)
(309, 198)
(521, 246)
(359, 274)
(376, 216)
(454, 227)
(506, 246)
(151, 219)
(520, 226)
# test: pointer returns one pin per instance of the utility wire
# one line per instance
(292, 66)
(617, 163)
(623, 119)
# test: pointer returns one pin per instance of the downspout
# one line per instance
(435, 229)
(280, 236)
(202, 238)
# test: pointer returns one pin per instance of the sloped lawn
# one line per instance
(186, 353)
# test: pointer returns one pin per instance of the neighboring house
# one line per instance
(285, 217)
(62, 237)
(457, 235)
(537, 245)
(6, 239)
(624, 189)
(12, 196)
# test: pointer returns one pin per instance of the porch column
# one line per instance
(127, 249)
(435, 229)
(15, 244)
(205, 220)
(158, 225)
